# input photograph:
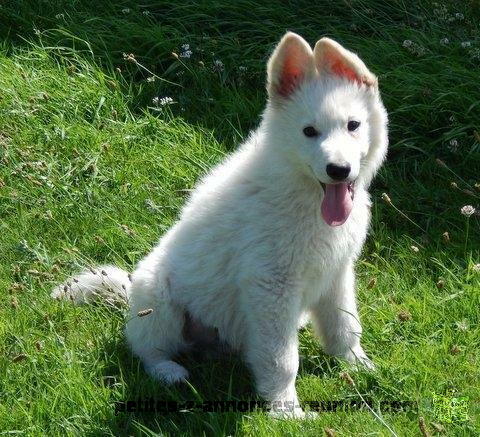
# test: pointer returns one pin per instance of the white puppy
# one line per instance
(268, 239)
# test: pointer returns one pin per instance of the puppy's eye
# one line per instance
(310, 131)
(353, 125)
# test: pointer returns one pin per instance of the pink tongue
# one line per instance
(336, 204)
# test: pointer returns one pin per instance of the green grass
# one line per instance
(92, 171)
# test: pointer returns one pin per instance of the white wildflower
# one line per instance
(444, 41)
(462, 325)
(467, 210)
(165, 101)
(459, 16)
(186, 54)
(415, 248)
(465, 44)
(218, 65)
(414, 48)
(151, 79)
(146, 13)
(476, 268)
(126, 11)
(155, 100)
(242, 68)
(59, 16)
(453, 145)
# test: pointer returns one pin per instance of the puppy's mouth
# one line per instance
(337, 202)
(350, 187)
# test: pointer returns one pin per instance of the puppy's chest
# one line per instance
(317, 248)
(320, 252)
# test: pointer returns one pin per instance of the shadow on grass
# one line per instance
(211, 379)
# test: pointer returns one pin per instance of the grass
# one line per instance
(93, 171)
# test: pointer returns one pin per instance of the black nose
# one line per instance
(338, 172)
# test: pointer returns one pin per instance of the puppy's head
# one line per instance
(326, 116)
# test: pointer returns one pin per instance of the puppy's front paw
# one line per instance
(359, 359)
(365, 362)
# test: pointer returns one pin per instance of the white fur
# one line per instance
(251, 255)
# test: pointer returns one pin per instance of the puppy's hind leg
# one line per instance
(156, 336)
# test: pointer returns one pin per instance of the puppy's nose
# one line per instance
(338, 172)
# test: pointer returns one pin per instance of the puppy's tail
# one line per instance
(106, 283)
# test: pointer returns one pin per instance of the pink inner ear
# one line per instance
(341, 69)
(291, 77)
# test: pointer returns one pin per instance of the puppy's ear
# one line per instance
(332, 58)
(290, 65)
